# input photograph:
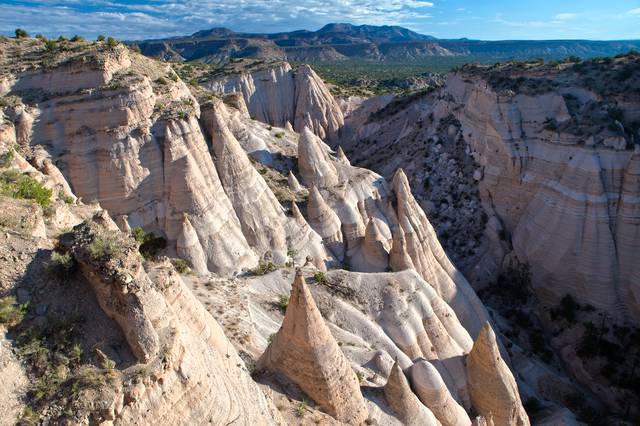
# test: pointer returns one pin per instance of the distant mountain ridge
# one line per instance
(341, 41)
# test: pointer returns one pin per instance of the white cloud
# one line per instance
(160, 18)
(634, 12)
(461, 9)
(565, 16)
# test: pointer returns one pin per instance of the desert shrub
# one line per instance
(19, 186)
(40, 37)
(100, 38)
(301, 409)
(161, 81)
(62, 263)
(283, 302)
(149, 244)
(11, 313)
(68, 199)
(77, 38)
(320, 277)
(279, 135)
(181, 265)
(29, 417)
(20, 33)
(6, 158)
(360, 376)
(62, 38)
(50, 45)
(112, 42)
(264, 268)
(102, 247)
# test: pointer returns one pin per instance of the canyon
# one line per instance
(246, 248)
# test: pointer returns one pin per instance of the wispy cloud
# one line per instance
(160, 18)
(565, 16)
(634, 12)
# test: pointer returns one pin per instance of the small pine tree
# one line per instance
(100, 38)
(77, 38)
(20, 33)
(112, 42)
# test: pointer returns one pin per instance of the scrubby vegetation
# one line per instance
(283, 302)
(62, 264)
(149, 243)
(181, 265)
(320, 278)
(21, 186)
(264, 268)
(11, 312)
(356, 77)
(103, 247)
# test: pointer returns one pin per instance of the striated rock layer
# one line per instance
(306, 353)
(279, 96)
(493, 389)
(195, 373)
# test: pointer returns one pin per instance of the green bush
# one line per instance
(62, 263)
(102, 247)
(15, 185)
(149, 244)
(50, 45)
(11, 313)
(181, 265)
(264, 268)
(68, 199)
(320, 278)
(29, 417)
(20, 33)
(283, 302)
(77, 38)
(6, 158)
(112, 42)
(100, 38)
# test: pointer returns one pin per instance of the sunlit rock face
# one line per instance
(281, 96)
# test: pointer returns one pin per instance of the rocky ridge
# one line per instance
(222, 192)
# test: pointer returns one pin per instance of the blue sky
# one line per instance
(480, 19)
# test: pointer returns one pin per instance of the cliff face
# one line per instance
(279, 95)
(558, 194)
(223, 190)
(547, 159)
(527, 172)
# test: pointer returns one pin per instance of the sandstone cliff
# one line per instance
(279, 95)
(222, 191)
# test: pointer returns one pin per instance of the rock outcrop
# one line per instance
(195, 374)
(260, 214)
(279, 96)
(493, 390)
(306, 353)
(432, 391)
(188, 247)
(316, 168)
(325, 222)
(404, 402)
